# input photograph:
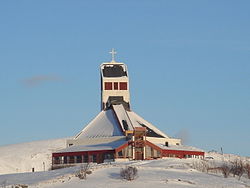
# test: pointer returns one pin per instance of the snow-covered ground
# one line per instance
(25, 156)
(169, 172)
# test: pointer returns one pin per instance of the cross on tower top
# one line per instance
(113, 52)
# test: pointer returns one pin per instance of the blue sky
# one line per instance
(189, 67)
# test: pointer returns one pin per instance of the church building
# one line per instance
(117, 132)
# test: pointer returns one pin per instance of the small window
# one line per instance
(65, 159)
(71, 159)
(123, 86)
(108, 86)
(78, 159)
(56, 160)
(120, 154)
(94, 158)
(108, 156)
(125, 124)
(86, 159)
(90, 158)
(115, 85)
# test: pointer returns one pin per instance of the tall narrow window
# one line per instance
(108, 85)
(79, 159)
(86, 158)
(123, 86)
(115, 85)
(94, 158)
(65, 159)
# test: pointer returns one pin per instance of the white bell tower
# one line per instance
(114, 84)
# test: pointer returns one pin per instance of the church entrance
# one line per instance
(139, 142)
(138, 153)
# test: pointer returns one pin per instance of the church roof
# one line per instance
(138, 121)
(94, 147)
(103, 125)
(123, 117)
(179, 147)
(114, 122)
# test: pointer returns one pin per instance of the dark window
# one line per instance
(114, 71)
(79, 159)
(123, 86)
(115, 85)
(188, 156)
(108, 85)
(71, 159)
(56, 160)
(120, 154)
(94, 158)
(125, 124)
(108, 156)
(86, 159)
(65, 161)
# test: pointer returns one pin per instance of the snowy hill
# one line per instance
(25, 156)
(169, 172)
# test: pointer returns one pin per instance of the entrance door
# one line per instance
(138, 153)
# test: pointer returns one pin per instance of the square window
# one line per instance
(78, 159)
(108, 86)
(123, 86)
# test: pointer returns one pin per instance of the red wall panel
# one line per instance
(123, 86)
(108, 85)
(115, 85)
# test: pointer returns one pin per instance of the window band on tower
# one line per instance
(115, 86)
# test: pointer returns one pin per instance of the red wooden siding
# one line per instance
(80, 153)
(121, 147)
(181, 153)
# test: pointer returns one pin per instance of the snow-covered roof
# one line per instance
(103, 125)
(96, 147)
(116, 120)
(138, 121)
(123, 117)
(178, 147)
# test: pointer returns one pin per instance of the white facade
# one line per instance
(114, 82)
